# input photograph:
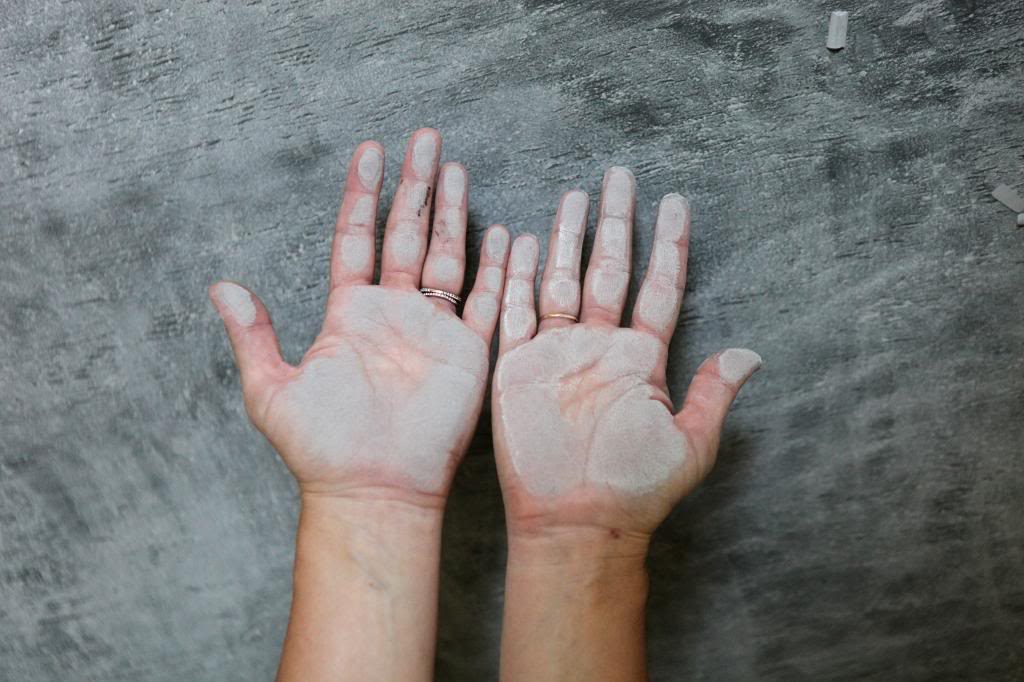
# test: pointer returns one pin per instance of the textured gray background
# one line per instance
(866, 519)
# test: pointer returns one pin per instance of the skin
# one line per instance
(373, 488)
(601, 459)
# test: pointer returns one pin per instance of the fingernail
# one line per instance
(736, 364)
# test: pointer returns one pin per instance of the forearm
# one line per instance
(574, 608)
(365, 592)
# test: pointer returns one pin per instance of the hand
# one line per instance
(585, 435)
(385, 401)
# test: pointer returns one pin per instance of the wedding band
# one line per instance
(559, 316)
(454, 299)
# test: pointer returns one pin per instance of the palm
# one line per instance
(585, 425)
(388, 394)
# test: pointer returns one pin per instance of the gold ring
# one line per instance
(559, 316)
(454, 299)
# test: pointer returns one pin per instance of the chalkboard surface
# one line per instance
(866, 518)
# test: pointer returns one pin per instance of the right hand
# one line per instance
(385, 401)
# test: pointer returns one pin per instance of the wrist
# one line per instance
(578, 545)
(370, 518)
(590, 557)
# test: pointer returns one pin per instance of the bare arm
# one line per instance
(377, 416)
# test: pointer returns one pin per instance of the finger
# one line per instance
(607, 280)
(560, 286)
(405, 237)
(661, 294)
(446, 258)
(518, 315)
(252, 337)
(354, 232)
(481, 311)
(711, 392)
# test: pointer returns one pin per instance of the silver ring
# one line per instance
(454, 299)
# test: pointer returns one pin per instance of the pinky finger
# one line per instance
(253, 340)
(709, 397)
(481, 311)
(518, 309)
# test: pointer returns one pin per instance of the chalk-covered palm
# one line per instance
(585, 432)
(386, 399)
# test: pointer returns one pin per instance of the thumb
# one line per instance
(252, 336)
(711, 393)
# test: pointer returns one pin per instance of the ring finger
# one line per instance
(446, 257)
(560, 286)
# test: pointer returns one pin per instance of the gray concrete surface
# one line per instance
(865, 521)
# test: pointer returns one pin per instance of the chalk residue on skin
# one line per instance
(424, 154)
(373, 403)
(673, 217)
(405, 244)
(362, 212)
(356, 252)
(735, 364)
(613, 235)
(237, 301)
(371, 163)
(618, 192)
(454, 184)
(576, 407)
(570, 228)
(446, 269)
(523, 260)
(497, 243)
(518, 318)
(608, 287)
(564, 294)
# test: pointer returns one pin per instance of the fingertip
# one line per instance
(233, 302)
(454, 180)
(522, 260)
(369, 161)
(674, 218)
(496, 243)
(424, 150)
(736, 365)
(574, 202)
(620, 173)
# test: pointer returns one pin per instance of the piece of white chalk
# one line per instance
(837, 30)
(1009, 198)
(1020, 220)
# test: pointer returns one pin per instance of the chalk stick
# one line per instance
(837, 30)
(1020, 220)
(1009, 198)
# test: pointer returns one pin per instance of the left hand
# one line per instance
(585, 435)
